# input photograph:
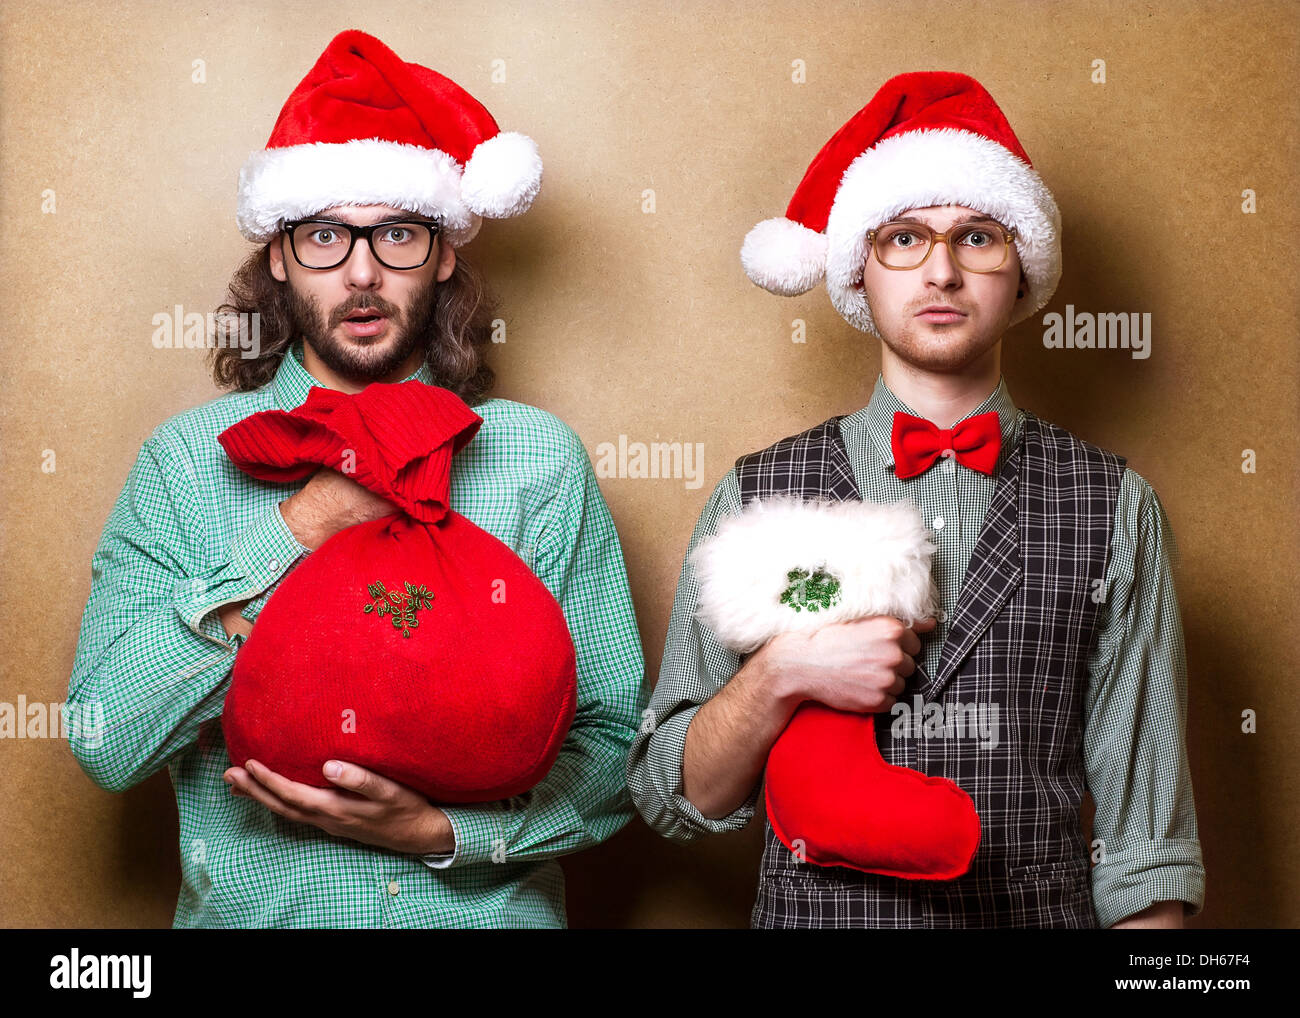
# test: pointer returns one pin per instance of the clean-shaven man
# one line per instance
(1054, 561)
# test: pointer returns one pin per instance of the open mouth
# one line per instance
(363, 315)
(365, 322)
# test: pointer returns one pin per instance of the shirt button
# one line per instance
(948, 462)
(273, 564)
(942, 616)
(938, 523)
(393, 887)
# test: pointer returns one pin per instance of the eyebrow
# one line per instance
(977, 218)
(411, 217)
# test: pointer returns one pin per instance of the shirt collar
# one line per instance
(876, 419)
(292, 381)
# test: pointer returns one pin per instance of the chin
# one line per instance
(370, 347)
(365, 356)
(930, 348)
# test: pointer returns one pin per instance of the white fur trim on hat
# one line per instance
(945, 166)
(503, 176)
(879, 553)
(303, 180)
(784, 257)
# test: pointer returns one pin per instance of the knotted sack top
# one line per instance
(394, 439)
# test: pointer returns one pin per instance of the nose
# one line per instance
(362, 271)
(940, 268)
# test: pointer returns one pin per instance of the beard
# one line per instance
(934, 350)
(364, 359)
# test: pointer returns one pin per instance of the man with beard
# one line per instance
(1053, 564)
(376, 173)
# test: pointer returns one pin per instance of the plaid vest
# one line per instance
(1019, 638)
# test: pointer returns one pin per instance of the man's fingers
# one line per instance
(909, 641)
(252, 788)
(293, 794)
(352, 778)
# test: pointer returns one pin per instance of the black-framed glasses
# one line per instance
(981, 246)
(327, 243)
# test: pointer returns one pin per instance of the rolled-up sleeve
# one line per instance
(695, 666)
(1135, 749)
(262, 555)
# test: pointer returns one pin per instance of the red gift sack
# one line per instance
(418, 645)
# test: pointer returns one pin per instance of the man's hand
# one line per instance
(852, 666)
(367, 807)
(328, 503)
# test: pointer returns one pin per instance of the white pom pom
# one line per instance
(875, 557)
(503, 176)
(784, 257)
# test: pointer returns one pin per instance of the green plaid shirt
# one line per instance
(1135, 710)
(190, 533)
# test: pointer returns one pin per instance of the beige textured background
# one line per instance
(640, 324)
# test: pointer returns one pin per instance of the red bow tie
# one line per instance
(917, 443)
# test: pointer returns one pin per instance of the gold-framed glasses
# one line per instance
(980, 246)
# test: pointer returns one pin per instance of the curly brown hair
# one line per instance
(463, 313)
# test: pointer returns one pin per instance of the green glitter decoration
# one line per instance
(811, 591)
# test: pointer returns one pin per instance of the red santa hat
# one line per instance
(365, 128)
(926, 138)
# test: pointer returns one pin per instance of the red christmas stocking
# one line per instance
(782, 565)
(833, 801)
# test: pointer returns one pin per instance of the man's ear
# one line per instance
(275, 252)
(446, 260)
